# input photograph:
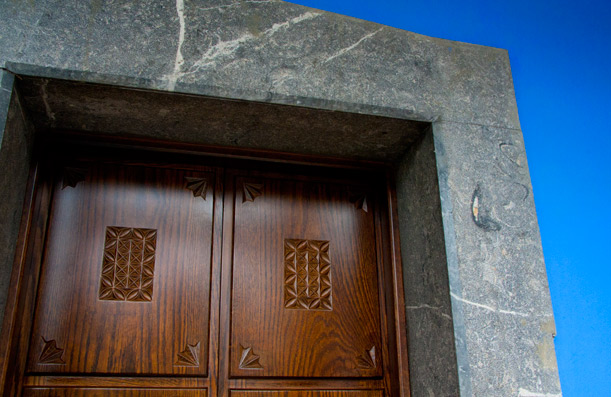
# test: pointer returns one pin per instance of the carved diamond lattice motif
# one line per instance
(128, 264)
(307, 275)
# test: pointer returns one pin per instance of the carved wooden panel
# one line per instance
(304, 291)
(251, 191)
(307, 393)
(51, 354)
(307, 275)
(359, 199)
(128, 264)
(368, 359)
(248, 359)
(189, 357)
(199, 186)
(72, 176)
(125, 279)
(100, 392)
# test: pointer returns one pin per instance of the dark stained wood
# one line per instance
(214, 377)
(386, 301)
(305, 383)
(307, 393)
(304, 286)
(398, 323)
(125, 281)
(115, 381)
(91, 392)
(223, 248)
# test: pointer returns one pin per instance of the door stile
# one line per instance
(388, 342)
(19, 312)
(391, 226)
(225, 284)
(215, 288)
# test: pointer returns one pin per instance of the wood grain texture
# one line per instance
(237, 333)
(94, 392)
(303, 343)
(153, 382)
(214, 372)
(306, 393)
(395, 301)
(306, 384)
(164, 240)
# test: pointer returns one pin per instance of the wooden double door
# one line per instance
(170, 279)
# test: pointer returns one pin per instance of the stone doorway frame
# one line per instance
(477, 301)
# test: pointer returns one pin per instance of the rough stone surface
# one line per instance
(261, 50)
(497, 279)
(432, 352)
(280, 53)
(15, 154)
(58, 104)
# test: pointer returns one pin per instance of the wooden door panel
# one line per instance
(95, 392)
(305, 288)
(125, 279)
(306, 393)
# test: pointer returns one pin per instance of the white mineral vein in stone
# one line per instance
(351, 47)
(528, 393)
(490, 308)
(434, 308)
(226, 48)
(178, 60)
(235, 4)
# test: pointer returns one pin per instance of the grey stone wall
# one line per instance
(280, 53)
(430, 326)
(15, 154)
(497, 275)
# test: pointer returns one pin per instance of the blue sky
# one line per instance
(561, 62)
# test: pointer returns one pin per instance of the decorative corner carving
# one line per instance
(307, 275)
(189, 357)
(199, 186)
(252, 191)
(72, 176)
(51, 354)
(359, 200)
(367, 360)
(248, 359)
(128, 264)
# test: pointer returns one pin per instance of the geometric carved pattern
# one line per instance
(72, 176)
(128, 264)
(359, 200)
(252, 191)
(367, 360)
(189, 357)
(51, 354)
(248, 359)
(199, 186)
(307, 275)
